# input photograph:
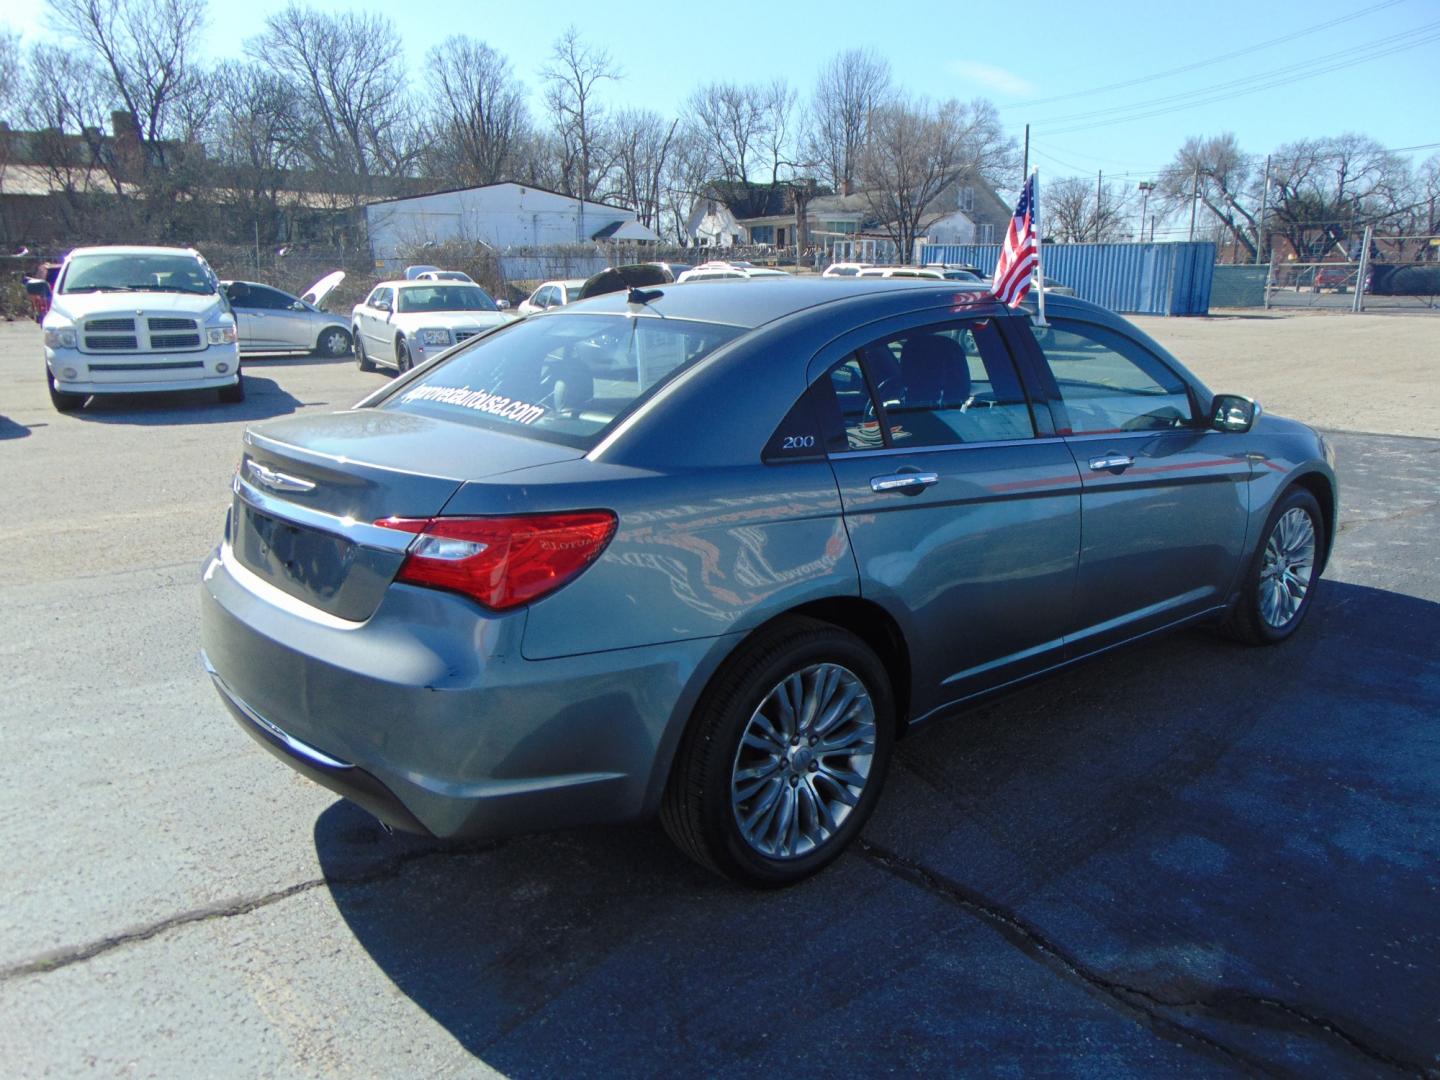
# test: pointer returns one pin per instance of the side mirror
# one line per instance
(299, 305)
(382, 305)
(1232, 412)
(503, 305)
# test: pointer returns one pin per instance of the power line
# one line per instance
(1302, 69)
(1205, 63)
(1250, 90)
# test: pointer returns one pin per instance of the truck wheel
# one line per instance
(232, 395)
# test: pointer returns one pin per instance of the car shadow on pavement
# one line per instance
(263, 399)
(1184, 855)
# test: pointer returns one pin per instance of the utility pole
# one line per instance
(1264, 200)
(1025, 167)
(1194, 199)
(1099, 190)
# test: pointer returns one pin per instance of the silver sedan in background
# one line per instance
(270, 320)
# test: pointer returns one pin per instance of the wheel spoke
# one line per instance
(815, 724)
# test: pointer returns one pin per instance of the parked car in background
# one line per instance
(1056, 288)
(626, 276)
(902, 272)
(966, 268)
(720, 271)
(444, 275)
(709, 556)
(271, 320)
(552, 294)
(132, 320)
(844, 269)
(403, 323)
(412, 273)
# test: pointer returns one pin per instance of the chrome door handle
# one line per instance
(1114, 461)
(910, 482)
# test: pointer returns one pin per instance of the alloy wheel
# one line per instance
(803, 761)
(1288, 567)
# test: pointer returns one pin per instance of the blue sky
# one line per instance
(1041, 62)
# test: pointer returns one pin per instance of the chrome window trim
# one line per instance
(891, 451)
(360, 532)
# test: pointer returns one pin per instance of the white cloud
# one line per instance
(992, 77)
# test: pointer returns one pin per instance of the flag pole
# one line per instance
(1039, 249)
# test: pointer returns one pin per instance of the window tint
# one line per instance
(442, 297)
(564, 379)
(953, 383)
(269, 299)
(1109, 383)
(378, 297)
(848, 410)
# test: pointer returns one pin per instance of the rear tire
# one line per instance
(1280, 583)
(232, 395)
(63, 401)
(403, 363)
(744, 772)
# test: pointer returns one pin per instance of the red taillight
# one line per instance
(502, 562)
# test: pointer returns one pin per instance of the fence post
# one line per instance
(1359, 302)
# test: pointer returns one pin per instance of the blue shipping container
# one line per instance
(1142, 279)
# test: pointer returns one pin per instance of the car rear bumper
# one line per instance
(427, 715)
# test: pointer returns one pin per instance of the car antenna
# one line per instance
(642, 296)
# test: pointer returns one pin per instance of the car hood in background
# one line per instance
(316, 294)
(411, 321)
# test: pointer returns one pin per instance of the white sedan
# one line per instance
(552, 294)
(404, 323)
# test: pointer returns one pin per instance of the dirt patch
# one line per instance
(1343, 372)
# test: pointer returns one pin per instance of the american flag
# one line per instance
(1019, 256)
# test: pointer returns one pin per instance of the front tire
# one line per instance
(362, 361)
(785, 756)
(333, 343)
(63, 401)
(232, 395)
(1279, 586)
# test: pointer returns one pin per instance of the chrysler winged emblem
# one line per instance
(275, 480)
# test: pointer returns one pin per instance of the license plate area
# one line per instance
(307, 563)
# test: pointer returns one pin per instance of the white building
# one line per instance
(500, 215)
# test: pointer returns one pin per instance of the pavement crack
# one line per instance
(1396, 515)
(57, 959)
(1224, 1005)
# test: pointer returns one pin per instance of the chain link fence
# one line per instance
(1394, 273)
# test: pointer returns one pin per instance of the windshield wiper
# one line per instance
(168, 288)
(101, 288)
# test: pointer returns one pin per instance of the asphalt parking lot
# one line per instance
(1188, 857)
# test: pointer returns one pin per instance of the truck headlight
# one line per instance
(434, 337)
(60, 339)
(220, 335)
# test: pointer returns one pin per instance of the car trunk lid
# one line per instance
(309, 489)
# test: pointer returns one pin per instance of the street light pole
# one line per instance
(1146, 186)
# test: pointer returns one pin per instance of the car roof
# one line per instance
(417, 284)
(568, 282)
(751, 306)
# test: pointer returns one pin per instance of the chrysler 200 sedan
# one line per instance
(708, 551)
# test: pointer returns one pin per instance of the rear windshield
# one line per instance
(116, 272)
(562, 378)
(440, 297)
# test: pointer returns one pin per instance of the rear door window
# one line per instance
(565, 379)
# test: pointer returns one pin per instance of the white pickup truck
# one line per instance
(127, 320)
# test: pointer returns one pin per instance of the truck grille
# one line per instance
(148, 367)
(159, 333)
(174, 341)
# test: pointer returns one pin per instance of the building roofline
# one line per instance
(499, 183)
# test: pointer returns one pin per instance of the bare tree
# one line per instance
(352, 82)
(1071, 214)
(641, 142)
(259, 124)
(733, 122)
(10, 75)
(64, 104)
(572, 80)
(917, 151)
(147, 47)
(777, 106)
(480, 118)
(1224, 179)
(687, 169)
(851, 86)
(1324, 192)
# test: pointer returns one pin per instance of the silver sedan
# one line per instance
(270, 320)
